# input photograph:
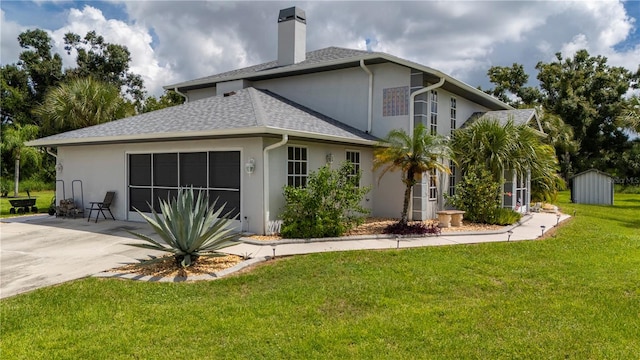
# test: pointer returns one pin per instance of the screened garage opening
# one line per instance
(160, 175)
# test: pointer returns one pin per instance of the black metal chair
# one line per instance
(100, 207)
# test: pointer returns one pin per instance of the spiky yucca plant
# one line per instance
(189, 227)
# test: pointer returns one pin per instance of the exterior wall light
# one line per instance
(329, 158)
(250, 166)
(59, 167)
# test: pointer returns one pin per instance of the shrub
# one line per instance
(328, 206)
(189, 227)
(416, 228)
(504, 216)
(478, 194)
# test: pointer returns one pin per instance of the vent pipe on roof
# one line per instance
(292, 36)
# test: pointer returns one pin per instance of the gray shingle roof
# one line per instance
(248, 111)
(519, 116)
(312, 58)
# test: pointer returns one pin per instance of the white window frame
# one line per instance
(433, 185)
(356, 165)
(433, 112)
(454, 114)
(303, 161)
(452, 178)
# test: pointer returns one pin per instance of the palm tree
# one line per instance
(630, 118)
(13, 139)
(82, 102)
(413, 155)
(500, 147)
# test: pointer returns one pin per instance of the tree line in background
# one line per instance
(589, 110)
(584, 103)
(40, 98)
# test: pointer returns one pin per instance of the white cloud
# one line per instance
(196, 39)
(136, 38)
(9, 47)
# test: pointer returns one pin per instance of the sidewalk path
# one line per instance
(530, 229)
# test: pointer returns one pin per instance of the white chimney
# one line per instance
(292, 36)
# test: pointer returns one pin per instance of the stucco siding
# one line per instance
(198, 94)
(102, 168)
(387, 76)
(317, 157)
(339, 94)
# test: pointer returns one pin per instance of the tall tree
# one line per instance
(43, 68)
(15, 95)
(168, 99)
(588, 94)
(510, 85)
(413, 155)
(82, 102)
(104, 61)
(13, 139)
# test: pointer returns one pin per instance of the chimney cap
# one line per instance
(292, 13)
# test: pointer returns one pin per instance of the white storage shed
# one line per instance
(592, 187)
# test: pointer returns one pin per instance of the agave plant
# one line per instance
(189, 228)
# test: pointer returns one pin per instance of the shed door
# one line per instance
(159, 176)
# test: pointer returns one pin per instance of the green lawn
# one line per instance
(43, 200)
(573, 296)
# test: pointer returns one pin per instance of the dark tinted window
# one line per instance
(138, 199)
(230, 198)
(165, 169)
(163, 194)
(224, 169)
(140, 169)
(193, 169)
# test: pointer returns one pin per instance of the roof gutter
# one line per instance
(369, 109)
(186, 99)
(265, 180)
(412, 105)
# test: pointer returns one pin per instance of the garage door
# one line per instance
(160, 175)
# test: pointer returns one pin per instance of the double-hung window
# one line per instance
(433, 185)
(354, 158)
(433, 109)
(454, 115)
(297, 164)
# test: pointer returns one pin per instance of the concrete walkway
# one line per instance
(530, 229)
(38, 251)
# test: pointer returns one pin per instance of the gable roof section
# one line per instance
(333, 58)
(519, 117)
(590, 171)
(247, 112)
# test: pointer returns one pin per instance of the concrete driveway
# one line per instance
(41, 250)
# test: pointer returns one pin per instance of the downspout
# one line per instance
(412, 99)
(265, 180)
(48, 149)
(370, 108)
(186, 99)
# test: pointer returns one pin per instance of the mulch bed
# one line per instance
(166, 266)
(374, 226)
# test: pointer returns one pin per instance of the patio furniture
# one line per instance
(448, 218)
(101, 206)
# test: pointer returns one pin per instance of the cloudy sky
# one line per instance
(172, 41)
